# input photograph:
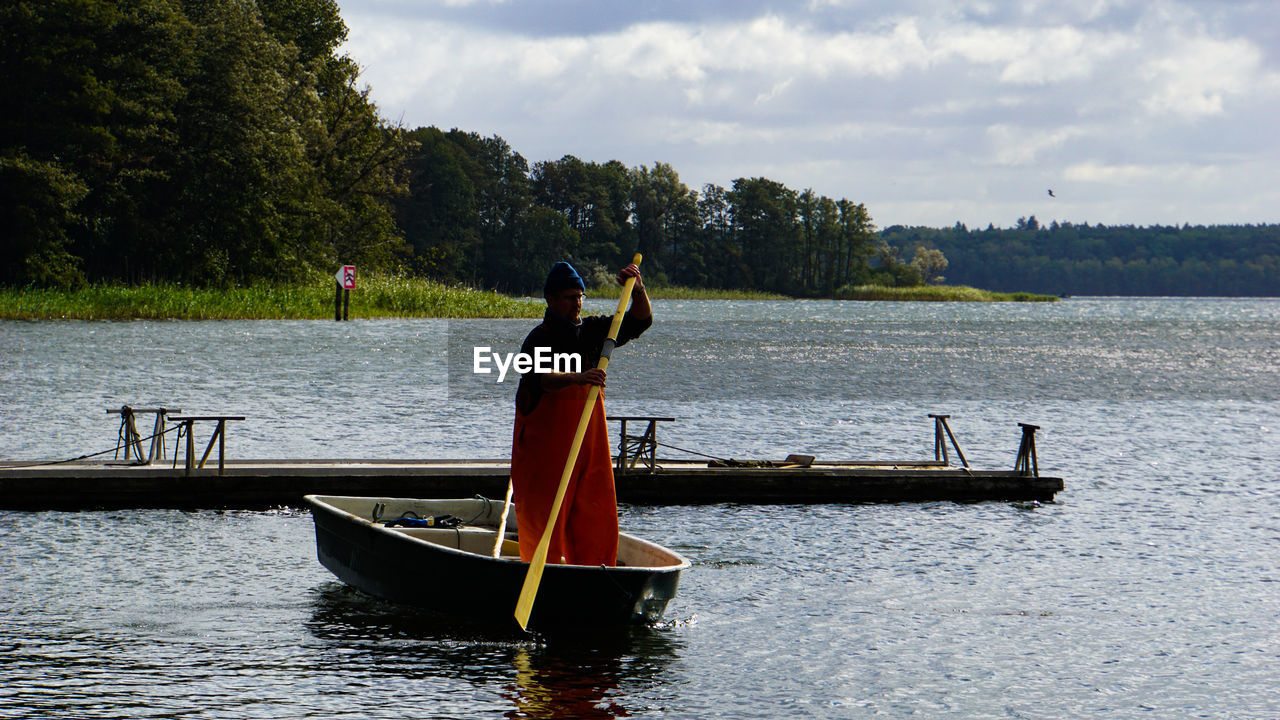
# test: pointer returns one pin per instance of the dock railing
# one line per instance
(640, 448)
(186, 425)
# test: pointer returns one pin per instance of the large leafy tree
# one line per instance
(764, 223)
(205, 140)
(39, 209)
(503, 199)
(361, 165)
(439, 215)
(595, 201)
(854, 244)
(87, 134)
(716, 260)
(664, 215)
(244, 157)
(286, 164)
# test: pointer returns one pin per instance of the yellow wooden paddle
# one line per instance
(524, 605)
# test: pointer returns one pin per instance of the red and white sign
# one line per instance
(346, 277)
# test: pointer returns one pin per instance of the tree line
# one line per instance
(478, 212)
(222, 142)
(1083, 259)
(226, 142)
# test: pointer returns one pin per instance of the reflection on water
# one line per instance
(548, 688)
(562, 674)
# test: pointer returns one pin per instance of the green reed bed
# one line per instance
(408, 297)
(937, 293)
(375, 297)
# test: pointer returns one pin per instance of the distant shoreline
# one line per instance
(939, 293)
(376, 297)
(924, 293)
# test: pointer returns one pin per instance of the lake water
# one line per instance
(1150, 588)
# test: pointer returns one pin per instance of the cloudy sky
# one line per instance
(929, 112)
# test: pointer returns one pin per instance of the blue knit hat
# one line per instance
(562, 277)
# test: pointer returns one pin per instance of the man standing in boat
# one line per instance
(548, 407)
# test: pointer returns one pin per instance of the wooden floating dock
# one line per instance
(269, 483)
(640, 476)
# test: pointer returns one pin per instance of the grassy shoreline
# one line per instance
(376, 297)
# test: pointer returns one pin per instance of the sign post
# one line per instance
(344, 283)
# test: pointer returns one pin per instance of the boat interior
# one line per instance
(467, 539)
(470, 525)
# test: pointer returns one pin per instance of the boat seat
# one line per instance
(477, 540)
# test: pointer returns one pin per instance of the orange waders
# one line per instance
(587, 528)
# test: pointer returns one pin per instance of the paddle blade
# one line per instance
(529, 592)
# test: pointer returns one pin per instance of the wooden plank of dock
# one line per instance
(251, 484)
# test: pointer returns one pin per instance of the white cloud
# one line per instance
(1197, 75)
(1031, 56)
(1013, 145)
(946, 105)
(715, 133)
(1131, 174)
(656, 51)
(774, 92)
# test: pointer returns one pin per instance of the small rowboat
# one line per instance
(438, 555)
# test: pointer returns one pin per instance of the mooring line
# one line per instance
(115, 449)
(691, 452)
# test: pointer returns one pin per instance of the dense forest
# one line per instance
(1071, 259)
(479, 213)
(228, 142)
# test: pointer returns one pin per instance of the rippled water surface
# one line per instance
(1151, 588)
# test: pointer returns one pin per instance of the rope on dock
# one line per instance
(691, 452)
(115, 449)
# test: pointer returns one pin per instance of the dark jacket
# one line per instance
(561, 336)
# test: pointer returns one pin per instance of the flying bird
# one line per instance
(1051, 193)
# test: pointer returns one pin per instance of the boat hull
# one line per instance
(416, 568)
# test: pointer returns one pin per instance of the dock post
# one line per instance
(157, 435)
(1027, 463)
(940, 427)
(939, 440)
(128, 436)
(189, 427)
(219, 434)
